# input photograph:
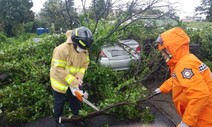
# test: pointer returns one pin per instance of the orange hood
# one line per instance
(176, 41)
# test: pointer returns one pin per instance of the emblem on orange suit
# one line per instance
(187, 73)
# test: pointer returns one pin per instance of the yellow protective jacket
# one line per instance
(190, 83)
(67, 65)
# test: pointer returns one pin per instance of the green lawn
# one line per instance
(199, 25)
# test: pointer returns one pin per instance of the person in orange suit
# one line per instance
(190, 81)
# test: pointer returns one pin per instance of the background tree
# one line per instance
(205, 8)
(13, 14)
(61, 13)
(100, 8)
(121, 15)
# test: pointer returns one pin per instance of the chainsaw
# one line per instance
(82, 96)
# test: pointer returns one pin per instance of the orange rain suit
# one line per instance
(190, 81)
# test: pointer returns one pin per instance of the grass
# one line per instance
(199, 25)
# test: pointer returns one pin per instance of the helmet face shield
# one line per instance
(159, 42)
(166, 55)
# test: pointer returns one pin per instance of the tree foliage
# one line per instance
(100, 8)
(61, 13)
(206, 44)
(122, 15)
(26, 94)
(14, 13)
(205, 8)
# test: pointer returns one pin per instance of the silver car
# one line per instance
(119, 55)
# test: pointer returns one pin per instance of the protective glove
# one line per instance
(157, 91)
(85, 95)
(76, 82)
(182, 124)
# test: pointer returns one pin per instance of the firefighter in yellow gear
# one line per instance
(69, 62)
(190, 81)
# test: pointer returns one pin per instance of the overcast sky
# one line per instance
(186, 7)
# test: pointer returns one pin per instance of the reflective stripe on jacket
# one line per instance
(67, 65)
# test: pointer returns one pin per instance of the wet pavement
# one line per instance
(163, 107)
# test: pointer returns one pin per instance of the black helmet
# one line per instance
(82, 37)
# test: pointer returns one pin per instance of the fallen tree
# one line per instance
(105, 110)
